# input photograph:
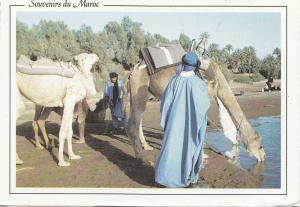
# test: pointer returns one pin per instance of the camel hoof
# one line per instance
(64, 164)
(49, 147)
(74, 157)
(147, 147)
(147, 162)
(151, 163)
(19, 161)
(39, 146)
(80, 141)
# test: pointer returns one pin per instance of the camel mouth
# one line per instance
(95, 66)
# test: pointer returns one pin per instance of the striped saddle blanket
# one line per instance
(164, 56)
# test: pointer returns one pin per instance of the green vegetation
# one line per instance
(241, 61)
(118, 45)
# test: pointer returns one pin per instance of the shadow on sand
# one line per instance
(132, 167)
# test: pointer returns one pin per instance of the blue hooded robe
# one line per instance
(183, 117)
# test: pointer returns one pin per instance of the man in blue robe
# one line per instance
(113, 93)
(183, 110)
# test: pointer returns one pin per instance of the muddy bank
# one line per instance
(108, 160)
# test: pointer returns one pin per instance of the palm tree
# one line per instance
(228, 48)
(205, 35)
(214, 52)
(249, 58)
(237, 57)
(277, 52)
(277, 60)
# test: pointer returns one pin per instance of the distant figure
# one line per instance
(113, 93)
(183, 110)
(270, 85)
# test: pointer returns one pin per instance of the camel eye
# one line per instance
(260, 147)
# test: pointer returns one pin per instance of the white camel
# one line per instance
(53, 89)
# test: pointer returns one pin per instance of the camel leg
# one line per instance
(81, 126)
(66, 131)
(35, 127)
(71, 154)
(234, 152)
(81, 123)
(20, 108)
(145, 145)
(18, 160)
(41, 114)
(41, 124)
(139, 95)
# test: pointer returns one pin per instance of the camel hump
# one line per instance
(44, 66)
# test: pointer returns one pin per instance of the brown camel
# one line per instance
(82, 111)
(140, 83)
(42, 113)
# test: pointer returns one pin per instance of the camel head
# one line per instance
(199, 47)
(101, 105)
(85, 63)
(98, 115)
(218, 88)
(255, 148)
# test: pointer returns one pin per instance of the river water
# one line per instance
(269, 129)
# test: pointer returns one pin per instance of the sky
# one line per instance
(260, 30)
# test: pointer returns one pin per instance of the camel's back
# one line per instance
(45, 90)
(160, 80)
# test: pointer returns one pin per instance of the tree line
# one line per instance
(118, 45)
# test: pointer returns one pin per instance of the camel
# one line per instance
(140, 83)
(82, 111)
(56, 90)
(20, 108)
(42, 113)
(99, 113)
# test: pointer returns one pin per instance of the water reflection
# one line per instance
(267, 172)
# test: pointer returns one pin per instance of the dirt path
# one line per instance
(108, 160)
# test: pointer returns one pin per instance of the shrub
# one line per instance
(242, 79)
(257, 77)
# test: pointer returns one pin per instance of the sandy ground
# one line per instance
(108, 160)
